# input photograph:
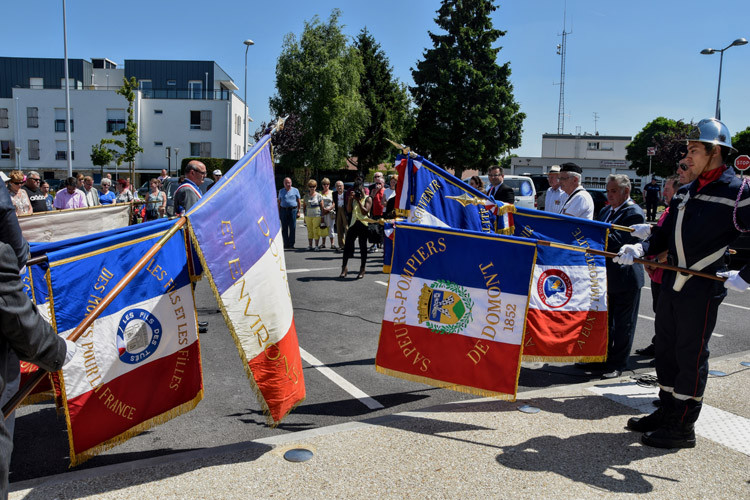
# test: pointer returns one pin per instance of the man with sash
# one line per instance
(189, 192)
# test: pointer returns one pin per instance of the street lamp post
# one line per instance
(169, 161)
(247, 43)
(176, 163)
(739, 41)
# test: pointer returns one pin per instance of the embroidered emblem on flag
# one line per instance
(456, 309)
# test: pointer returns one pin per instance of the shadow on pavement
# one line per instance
(102, 482)
(597, 459)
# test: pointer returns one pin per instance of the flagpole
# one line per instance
(37, 377)
(611, 255)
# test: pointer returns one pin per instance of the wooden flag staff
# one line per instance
(37, 377)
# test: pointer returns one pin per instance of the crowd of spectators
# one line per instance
(31, 194)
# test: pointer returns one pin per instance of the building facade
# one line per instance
(182, 109)
(597, 155)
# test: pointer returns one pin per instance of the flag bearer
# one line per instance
(705, 216)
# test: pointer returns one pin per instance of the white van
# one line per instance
(523, 188)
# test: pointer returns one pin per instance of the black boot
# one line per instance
(656, 419)
(678, 431)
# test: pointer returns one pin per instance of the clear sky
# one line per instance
(628, 61)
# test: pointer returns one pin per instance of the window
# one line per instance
(32, 117)
(36, 83)
(116, 119)
(158, 111)
(3, 117)
(33, 149)
(200, 120)
(171, 83)
(72, 82)
(60, 120)
(200, 149)
(238, 124)
(593, 146)
(145, 86)
(5, 150)
(62, 149)
(607, 146)
(158, 143)
(195, 89)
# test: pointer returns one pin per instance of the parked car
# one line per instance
(54, 184)
(523, 188)
(599, 196)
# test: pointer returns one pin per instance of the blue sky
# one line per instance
(627, 61)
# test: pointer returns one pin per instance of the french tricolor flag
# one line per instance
(139, 364)
(237, 233)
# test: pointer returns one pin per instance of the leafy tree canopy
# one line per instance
(667, 136)
(741, 142)
(387, 102)
(467, 116)
(317, 79)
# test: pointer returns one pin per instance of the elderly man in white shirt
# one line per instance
(579, 202)
(555, 196)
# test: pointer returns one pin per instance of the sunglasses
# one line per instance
(682, 167)
(16, 183)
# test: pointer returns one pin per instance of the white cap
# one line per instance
(217, 172)
(554, 169)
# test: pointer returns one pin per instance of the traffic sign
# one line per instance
(650, 151)
(742, 162)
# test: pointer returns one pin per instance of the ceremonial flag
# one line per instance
(59, 225)
(456, 309)
(567, 318)
(138, 365)
(426, 194)
(238, 238)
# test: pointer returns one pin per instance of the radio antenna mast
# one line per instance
(561, 48)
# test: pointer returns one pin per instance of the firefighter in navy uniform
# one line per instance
(705, 216)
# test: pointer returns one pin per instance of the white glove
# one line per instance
(627, 253)
(641, 231)
(734, 280)
(70, 351)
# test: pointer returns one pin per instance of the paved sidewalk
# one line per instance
(576, 446)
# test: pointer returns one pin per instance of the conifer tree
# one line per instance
(387, 102)
(467, 116)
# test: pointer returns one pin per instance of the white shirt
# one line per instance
(579, 204)
(554, 199)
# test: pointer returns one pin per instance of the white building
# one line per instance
(597, 155)
(182, 109)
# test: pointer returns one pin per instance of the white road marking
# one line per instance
(305, 270)
(738, 307)
(340, 381)
(646, 317)
(381, 283)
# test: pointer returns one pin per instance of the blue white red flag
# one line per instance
(567, 318)
(426, 194)
(456, 309)
(138, 365)
(238, 238)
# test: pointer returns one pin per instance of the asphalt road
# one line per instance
(338, 325)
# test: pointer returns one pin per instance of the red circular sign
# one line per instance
(742, 162)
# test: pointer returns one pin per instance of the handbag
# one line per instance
(323, 224)
(374, 233)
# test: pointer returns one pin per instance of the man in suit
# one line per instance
(497, 190)
(623, 282)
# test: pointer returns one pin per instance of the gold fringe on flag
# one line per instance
(445, 385)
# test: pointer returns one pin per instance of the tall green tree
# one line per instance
(129, 146)
(467, 115)
(387, 102)
(101, 155)
(741, 142)
(668, 137)
(317, 79)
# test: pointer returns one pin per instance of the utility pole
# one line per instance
(561, 49)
